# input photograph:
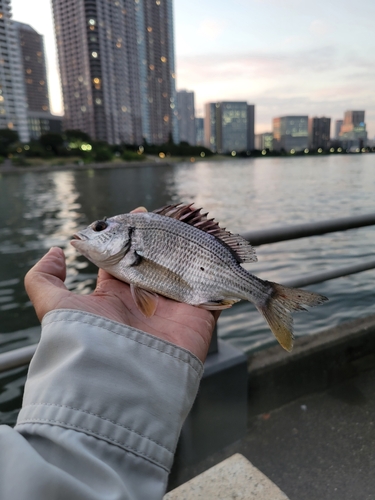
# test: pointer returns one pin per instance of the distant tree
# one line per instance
(102, 153)
(77, 135)
(7, 138)
(52, 142)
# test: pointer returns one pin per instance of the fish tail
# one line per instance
(279, 305)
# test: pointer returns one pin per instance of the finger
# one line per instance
(104, 276)
(44, 282)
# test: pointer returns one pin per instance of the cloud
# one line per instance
(319, 27)
(210, 29)
(322, 81)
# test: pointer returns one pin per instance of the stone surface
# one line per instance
(234, 478)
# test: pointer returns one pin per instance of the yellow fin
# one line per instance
(146, 301)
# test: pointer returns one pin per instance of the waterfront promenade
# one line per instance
(311, 423)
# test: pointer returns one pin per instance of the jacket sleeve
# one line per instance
(102, 412)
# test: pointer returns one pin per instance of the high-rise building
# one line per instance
(264, 141)
(117, 69)
(319, 132)
(40, 120)
(338, 125)
(186, 116)
(13, 106)
(290, 133)
(33, 66)
(210, 126)
(229, 126)
(353, 130)
(199, 130)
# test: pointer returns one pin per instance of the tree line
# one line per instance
(78, 144)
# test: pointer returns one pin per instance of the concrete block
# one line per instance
(234, 478)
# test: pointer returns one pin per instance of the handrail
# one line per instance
(276, 234)
(23, 355)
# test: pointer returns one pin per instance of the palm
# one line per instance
(181, 324)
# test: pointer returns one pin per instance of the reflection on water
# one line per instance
(40, 210)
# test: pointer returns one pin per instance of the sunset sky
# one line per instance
(284, 56)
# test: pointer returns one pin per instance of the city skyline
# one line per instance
(285, 58)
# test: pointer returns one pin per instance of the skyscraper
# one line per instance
(290, 132)
(186, 116)
(229, 126)
(353, 130)
(13, 107)
(34, 72)
(117, 68)
(319, 132)
(338, 125)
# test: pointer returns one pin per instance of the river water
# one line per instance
(43, 209)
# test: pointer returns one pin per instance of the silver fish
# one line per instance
(178, 252)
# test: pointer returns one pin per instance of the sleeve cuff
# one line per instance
(110, 381)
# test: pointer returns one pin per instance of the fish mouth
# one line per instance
(79, 236)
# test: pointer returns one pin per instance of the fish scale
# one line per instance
(181, 254)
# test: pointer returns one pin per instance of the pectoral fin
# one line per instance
(147, 302)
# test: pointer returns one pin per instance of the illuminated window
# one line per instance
(157, 2)
(44, 108)
(41, 82)
(29, 81)
(1, 15)
(83, 108)
(163, 59)
(92, 22)
(149, 29)
(152, 67)
(166, 118)
(28, 71)
(98, 101)
(118, 45)
(94, 54)
(1, 98)
(10, 125)
(97, 83)
(124, 109)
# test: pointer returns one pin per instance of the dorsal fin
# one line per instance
(240, 248)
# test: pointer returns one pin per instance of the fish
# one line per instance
(178, 252)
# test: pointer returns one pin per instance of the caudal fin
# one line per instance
(281, 303)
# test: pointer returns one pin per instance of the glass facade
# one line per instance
(117, 69)
(229, 126)
(186, 117)
(13, 105)
(319, 132)
(290, 133)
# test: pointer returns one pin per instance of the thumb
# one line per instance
(44, 282)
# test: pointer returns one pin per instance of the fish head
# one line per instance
(104, 242)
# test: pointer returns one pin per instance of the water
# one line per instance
(43, 209)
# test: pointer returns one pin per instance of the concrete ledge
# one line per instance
(316, 363)
(235, 477)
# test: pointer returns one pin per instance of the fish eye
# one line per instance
(100, 225)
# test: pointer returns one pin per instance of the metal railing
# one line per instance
(22, 356)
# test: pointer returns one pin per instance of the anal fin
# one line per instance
(146, 301)
(217, 306)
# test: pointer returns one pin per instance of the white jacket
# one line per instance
(102, 412)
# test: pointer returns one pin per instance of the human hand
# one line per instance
(181, 324)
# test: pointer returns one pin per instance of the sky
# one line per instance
(285, 56)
